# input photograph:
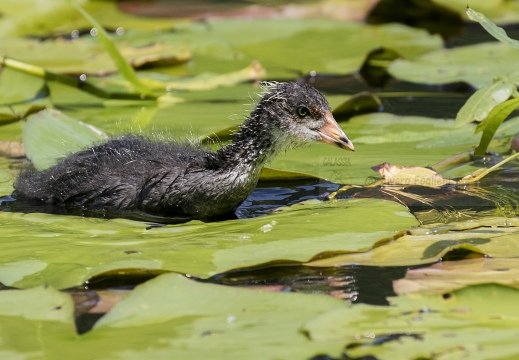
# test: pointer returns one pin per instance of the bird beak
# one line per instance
(331, 133)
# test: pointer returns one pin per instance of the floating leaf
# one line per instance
(477, 65)
(204, 82)
(451, 275)
(51, 305)
(86, 56)
(428, 244)
(458, 324)
(410, 175)
(58, 17)
(268, 174)
(75, 249)
(49, 136)
(169, 316)
(17, 87)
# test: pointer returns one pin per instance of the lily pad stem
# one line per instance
(70, 81)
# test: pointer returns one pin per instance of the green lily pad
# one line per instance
(17, 87)
(59, 17)
(268, 174)
(206, 81)
(452, 275)
(88, 56)
(477, 65)
(6, 182)
(75, 249)
(458, 324)
(52, 305)
(228, 322)
(429, 244)
(379, 138)
(322, 38)
(48, 137)
(295, 45)
(169, 316)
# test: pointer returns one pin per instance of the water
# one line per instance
(357, 284)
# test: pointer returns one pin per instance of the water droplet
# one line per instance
(93, 32)
(119, 31)
(266, 228)
(74, 34)
(82, 77)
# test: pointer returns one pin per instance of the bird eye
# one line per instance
(302, 111)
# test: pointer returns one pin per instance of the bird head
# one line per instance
(300, 114)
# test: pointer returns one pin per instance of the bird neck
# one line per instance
(254, 145)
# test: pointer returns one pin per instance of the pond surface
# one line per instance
(307, 267)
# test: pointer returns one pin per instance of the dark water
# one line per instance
(268, 196)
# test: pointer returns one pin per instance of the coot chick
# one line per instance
(135, 177)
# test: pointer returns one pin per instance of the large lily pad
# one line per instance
(88, 56)
(173, 316)
(167, 317)
(477, 65)
(48, 137)
(457, 325)
(233, 44)
(379, 138)
(69, 250)
(59, 17)
(495, 237)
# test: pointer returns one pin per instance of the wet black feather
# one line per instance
(137, 175)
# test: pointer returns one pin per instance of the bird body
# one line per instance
(134, 176)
